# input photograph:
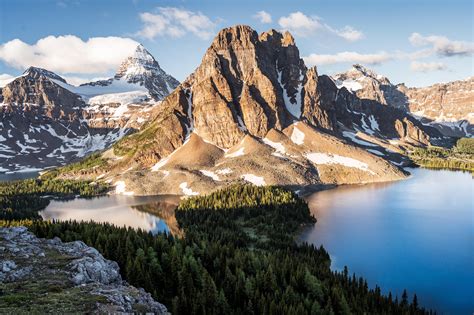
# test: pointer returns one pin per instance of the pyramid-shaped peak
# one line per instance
(141, 50)
(36, 73)
(142, 54)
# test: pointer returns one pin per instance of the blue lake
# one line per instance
(416, 234)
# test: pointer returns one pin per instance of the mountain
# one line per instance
(47, 122)
(139, 72)
(252, 111)
(448, 107)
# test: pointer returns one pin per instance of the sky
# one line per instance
(415, 42)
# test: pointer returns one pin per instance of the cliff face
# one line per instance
(63, 278)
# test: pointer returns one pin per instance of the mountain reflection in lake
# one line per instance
(149, 213)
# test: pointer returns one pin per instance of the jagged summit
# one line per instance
(360, 73)
(36, 73)
(139, 63)
(142, 69)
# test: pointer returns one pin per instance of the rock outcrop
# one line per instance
(70, 270)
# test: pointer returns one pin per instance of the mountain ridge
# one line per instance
(448, 107)
(48, 122)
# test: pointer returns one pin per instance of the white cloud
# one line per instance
(5, 79)
(350, 34)
(69, 53)
(347, 57)
(175, 22)
(302, 25)
(263, 16)
(427, 66)
(442, 45)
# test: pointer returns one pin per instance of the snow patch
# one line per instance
(293, 108)
(190, 115)
(159, 164)
(237, 153)
(123, 98)
(366, 127)
(297, 136)
(224, 171)
(355, 139)
(210, 174)
(376, 152)
(324, 158)
(121, 188)
(374, 125)
(278, 146)
(350, 85)
(254, 179)
(187, 191)
(242, 126)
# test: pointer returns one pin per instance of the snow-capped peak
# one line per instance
(35, 72)
(139, 72)
(357, 77)
(140, 63)
(141, 68)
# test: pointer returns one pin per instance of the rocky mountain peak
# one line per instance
(142, 69)
(254, 83)
(288, 39)
(36, 73)
(140, 63)
(235, 36)
(360, 73)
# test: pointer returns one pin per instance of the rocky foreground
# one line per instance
(44, 276)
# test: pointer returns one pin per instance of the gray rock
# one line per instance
(8, 265)
(24, 256)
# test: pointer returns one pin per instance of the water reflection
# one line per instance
(119, 210)
(415, 234)
(5, 177)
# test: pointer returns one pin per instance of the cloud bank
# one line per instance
(175, 22)
(68, 54)
(442, 46)
(427, 66)
(347, 57)
(302, 25)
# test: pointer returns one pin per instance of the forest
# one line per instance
(459, 157)
(24, 198)
(238, 255)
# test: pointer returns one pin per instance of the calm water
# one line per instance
(415, 234)
(148, 213)
(5, 177)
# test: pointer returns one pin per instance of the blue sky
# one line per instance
(330, 34)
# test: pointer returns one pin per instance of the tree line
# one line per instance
(24, 198)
